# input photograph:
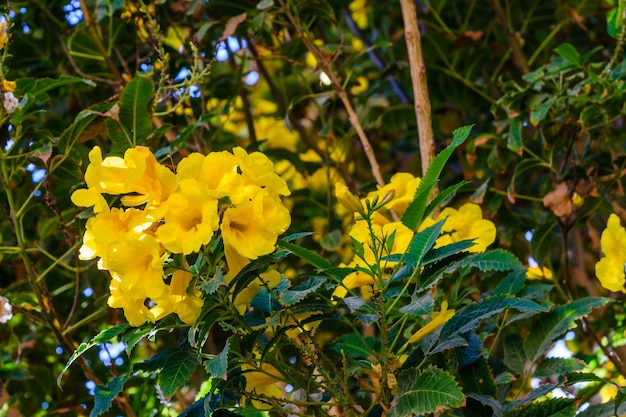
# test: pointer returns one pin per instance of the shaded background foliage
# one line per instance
(489, 63)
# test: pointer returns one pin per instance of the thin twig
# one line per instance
(326, 66)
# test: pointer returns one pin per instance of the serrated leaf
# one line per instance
(102, 337)
(354, 303)
(608, 409)
(558, 366)
(533, 395)
(512, 284)
(104, 395)
(309, 256)
(468, 318)
(214, 283)
(443, 252)
(217, 366)
(423, 242)
(354, 346)
(177, 369)
(556, 323)
(131, 339)
(135, 111)
(419, 306)
(571, 378)
(553, 407)
(492, 260)
(291, 297)
(496, 407)
(514, 355)
(425, 392)
(414, 213)
(444, 197)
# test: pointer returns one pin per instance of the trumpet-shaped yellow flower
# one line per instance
(178, 300)
(465, 223)
(610, 269)
(404, 186)
(135, 309)
(438, 318)
(265, 380)
(536, 272)
(137, 259)
(191, 218)
(106, 228)
(347, 199)
(87, 197)
(258, 169)
(252, 227)
(359, 11)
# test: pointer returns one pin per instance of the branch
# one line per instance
(514, 44)
(326, 66)
(420, 88)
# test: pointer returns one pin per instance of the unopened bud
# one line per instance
(347, 199)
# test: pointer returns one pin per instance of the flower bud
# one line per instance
(347, 199)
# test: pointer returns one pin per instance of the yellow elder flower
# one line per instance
(252, 227)
(177, 300)
(465, 223)
(106, 228)
(8, 86)
(135, 309)
(359, 11)
(87, 197)
(536, 272)
(265, 380)
(4, 35)
(404, 185)
(347, 199)
(610, 269)
(137, 260)
(191, 218)
(438, 318)
(218, 170)
(257, 169)
(275, 133)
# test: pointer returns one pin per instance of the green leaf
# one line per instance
(514, 355)
(309, 256)
(422, 243)
(217, 366)
(177, 369)
(571, 378)
(540, 112)
(214, 283)
(553, 407)
(104, 395)
(531, 396)
(354, 346)
(569, 53)
(556, 323)
(414, 213)
(135, 111)
(515, 142)
(86, 125)
(443, 252)
(493, 260)
(512, 284)
(558, 366)
(102, 337)
(131, 339)
(291, 297)
(425, 392)
(468, 318)
(419, 306)
(443, 197)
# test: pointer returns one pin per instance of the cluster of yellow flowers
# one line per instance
(176, 213)
(611, 269)
(465, 223)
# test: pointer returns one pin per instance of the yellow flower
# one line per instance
(265, 380)
(466, 223)
(438, 318)
(135, 309)
(139, 173)
(218, 170)
(87, 197)
(347, 199)
(4, 35)
(137, 260)
(610, 269)
(8, 86)
(536, 272)
(106, 228)
(275, 133)
(252, 227)
(178, 300)
(191, 218)
(404, 186)
(359, 11)
(258, 169)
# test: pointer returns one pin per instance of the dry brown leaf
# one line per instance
(559, 201)
(231, 25)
